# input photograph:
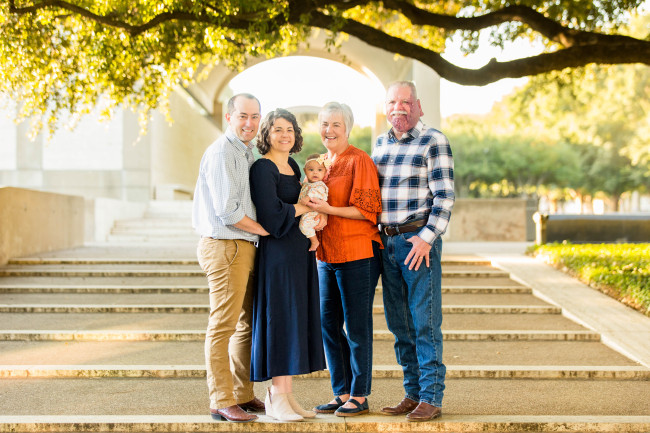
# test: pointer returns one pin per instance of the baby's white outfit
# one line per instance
(316, 189)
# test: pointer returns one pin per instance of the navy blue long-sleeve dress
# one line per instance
(287, 337)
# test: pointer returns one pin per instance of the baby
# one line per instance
(313, 187)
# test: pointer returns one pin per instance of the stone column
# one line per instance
(427, 82)
(136, 160)
(29, 159)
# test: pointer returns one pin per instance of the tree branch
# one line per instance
(609, 50)
(547, 27)
(132, 29)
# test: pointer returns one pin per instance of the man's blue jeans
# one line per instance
(413, 307)
(347, 291)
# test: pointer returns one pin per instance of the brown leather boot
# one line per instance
(255, 405)
(424, 412)
(406, 406)
(232, 413)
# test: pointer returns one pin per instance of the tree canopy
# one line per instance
(583, 134)
(73, 55)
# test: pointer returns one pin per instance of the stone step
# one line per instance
(104, 250)
(130, 280)
(121, 272)
(195, 298)
(155, 231)
(188, 396)
(137, 239)
(106, 299)
(154, 222)
(199, 335)
(32, 261)
(190, 270)
(378, 372)
(103, 289)
(552, 353)
(119, 289)
(456, 352)
(327, 423)
(91, 272)
(446, 261)
(80, 281)
(195, 308)
(170, 321)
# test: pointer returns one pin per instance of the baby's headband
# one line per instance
(322, 160)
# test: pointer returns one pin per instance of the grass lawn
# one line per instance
(620, 270)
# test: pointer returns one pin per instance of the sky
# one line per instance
(299, 80)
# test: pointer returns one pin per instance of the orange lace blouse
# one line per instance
(352, 181)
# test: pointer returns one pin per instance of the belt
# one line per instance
(396, 229)
(246, 240)
(236, 240)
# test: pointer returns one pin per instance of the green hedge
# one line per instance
(620, 270)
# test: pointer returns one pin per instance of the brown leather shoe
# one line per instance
(255, 405)
(406, 406)
(232, 413)
(424, 412)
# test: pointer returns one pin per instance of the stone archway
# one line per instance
(174, 158)
(374, 63)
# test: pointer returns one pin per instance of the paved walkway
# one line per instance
(621, 328)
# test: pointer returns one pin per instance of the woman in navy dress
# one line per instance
(287, 337)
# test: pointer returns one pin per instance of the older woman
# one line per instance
(348, 262)
(286, 321)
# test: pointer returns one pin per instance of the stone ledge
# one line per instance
(199, 335)
(31, 261)
(326, 423)
(379, 371)
(52, 288)
(195, 309)
(36, 272)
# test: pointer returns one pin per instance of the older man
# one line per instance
(224, 216)
(415, 168)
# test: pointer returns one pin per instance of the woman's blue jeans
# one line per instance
(347, 291)
(413, 307)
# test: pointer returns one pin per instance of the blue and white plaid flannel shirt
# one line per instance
(416, 177)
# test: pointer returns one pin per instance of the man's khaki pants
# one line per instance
(228, 265)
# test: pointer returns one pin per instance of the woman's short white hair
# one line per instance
(343, 109)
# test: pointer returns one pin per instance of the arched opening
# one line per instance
(303, 84)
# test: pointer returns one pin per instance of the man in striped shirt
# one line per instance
(416, 172)
(224, 215)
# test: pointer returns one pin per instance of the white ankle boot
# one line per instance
(278, 407)
(299, 410)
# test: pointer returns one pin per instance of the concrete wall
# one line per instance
(111, 159)
(503, 220)
(35, 221)
(97, 159)
(176, 149)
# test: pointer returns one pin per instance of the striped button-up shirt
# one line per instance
(223, 196)
(416, 177)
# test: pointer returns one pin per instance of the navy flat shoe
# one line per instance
(360, 409)
(329, 407)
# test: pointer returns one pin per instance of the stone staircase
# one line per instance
(110, 338)
(163, 222)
